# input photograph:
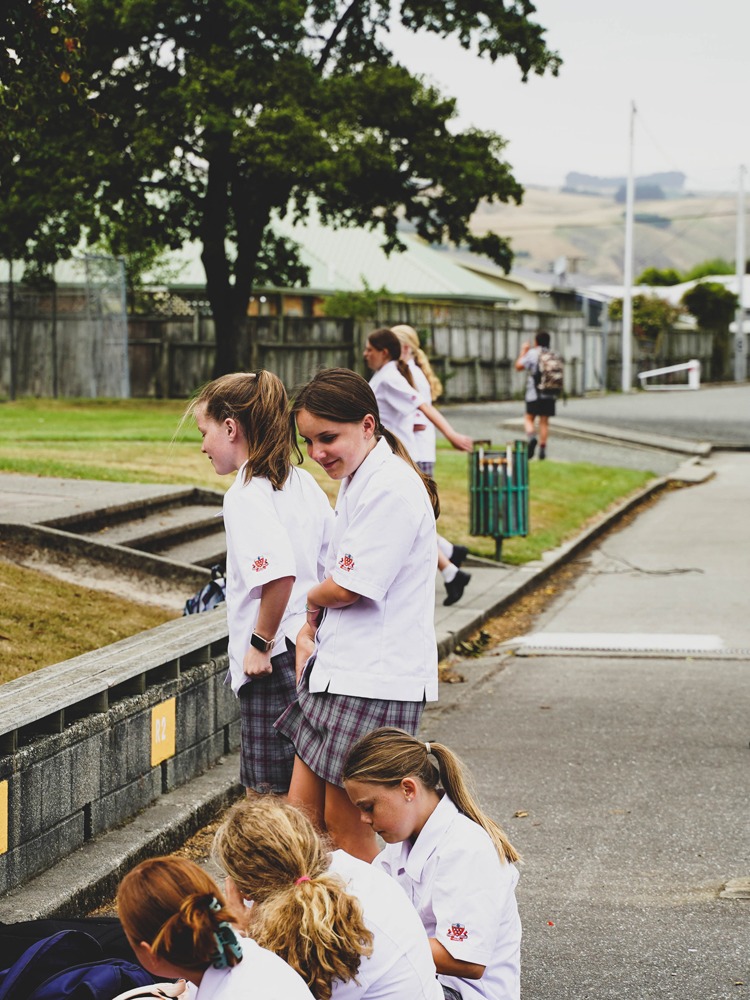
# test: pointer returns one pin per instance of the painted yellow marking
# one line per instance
(163, 731)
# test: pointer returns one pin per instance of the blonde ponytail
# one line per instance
(301, 911)
(409, 336)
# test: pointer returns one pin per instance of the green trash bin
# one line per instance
(499, 492)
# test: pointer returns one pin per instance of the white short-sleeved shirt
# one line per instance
(384, 548)
(465, 897)
(425, 441)
(531, 363)
(259, 974)
(397, 402)
(401, 966)
(272, 534)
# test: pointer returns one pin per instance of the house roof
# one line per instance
(340, 260)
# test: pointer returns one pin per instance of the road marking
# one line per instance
(641, 642)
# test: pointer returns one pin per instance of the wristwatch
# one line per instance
(264, 645)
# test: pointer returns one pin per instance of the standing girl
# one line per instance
(399, 383)
(278, 523)
(368, 648)
(454, 862)
(179, 927)
(347, 928)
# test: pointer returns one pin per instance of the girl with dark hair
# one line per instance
(367, 656)
(278, 523)
(346, 927)
(454, 862)
(404, 394)
(179, 927)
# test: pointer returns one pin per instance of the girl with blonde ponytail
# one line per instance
(455, 863)
(179, 927)
(278, 523)
(344, 926)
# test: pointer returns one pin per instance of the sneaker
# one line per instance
(542, 452)
(456, 587)
(460, 552)
(531, 447)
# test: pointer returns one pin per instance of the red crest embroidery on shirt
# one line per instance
(259, 564)
(457, 932)
(346, 562)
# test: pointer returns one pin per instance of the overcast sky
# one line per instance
(684, 63)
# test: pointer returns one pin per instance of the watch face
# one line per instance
(260, 643)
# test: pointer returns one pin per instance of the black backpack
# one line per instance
(69, 966)
(210, 595)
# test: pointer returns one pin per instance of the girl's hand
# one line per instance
(303, 649)
(256, 663)
(462, 441)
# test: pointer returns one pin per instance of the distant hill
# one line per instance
(589, 230)
(671, 183)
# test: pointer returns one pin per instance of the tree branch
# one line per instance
(341, 24)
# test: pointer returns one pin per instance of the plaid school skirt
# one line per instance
(267, 757)
(323, 726)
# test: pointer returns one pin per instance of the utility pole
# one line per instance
(740, 354)
(627, 298)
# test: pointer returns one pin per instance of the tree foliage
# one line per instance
(712, 304)
(214, 115)
(659, 276)
(652, 316)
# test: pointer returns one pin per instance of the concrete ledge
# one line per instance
(597, 432)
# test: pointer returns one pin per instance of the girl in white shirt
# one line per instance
(454, 862)
(367, 656)
(404, 395)
(347, 928)
(278, 523)
(179, 927)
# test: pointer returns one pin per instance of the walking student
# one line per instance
(343, 925)
(179, 927)
(367, 655)
(540, 405)
(278, 524)
(406, 409)
(454, 862)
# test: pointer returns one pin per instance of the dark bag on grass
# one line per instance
(69, 966)
(210, 595)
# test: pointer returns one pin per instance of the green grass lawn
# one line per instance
(137, 441)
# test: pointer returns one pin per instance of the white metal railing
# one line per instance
(692, 367)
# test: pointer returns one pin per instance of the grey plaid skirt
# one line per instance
(267, 757)
(323, 726)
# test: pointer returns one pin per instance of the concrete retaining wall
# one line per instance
(88, 743)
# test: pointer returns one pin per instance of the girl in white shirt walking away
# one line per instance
(454, 862)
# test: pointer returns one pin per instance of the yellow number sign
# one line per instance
(3, 817)
(163, 728)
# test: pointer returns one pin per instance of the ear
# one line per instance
(369, 424)
(410, 787)
(232, 428)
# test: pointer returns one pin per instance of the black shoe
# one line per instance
(460, 552)
(456, 587)
(531, 447)
(542, 452)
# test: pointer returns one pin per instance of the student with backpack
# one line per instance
(278, 523)
(453, 861)
(543, 386)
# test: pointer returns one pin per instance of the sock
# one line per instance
(445, 546)
(449, 573)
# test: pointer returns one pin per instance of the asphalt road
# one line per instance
(631, 770)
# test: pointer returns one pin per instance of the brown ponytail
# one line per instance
(384, 339)
(177, 909)
(386, 756)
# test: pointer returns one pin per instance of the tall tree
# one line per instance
(216, 114)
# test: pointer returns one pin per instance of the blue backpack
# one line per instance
(210, 595)
(69, 966)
